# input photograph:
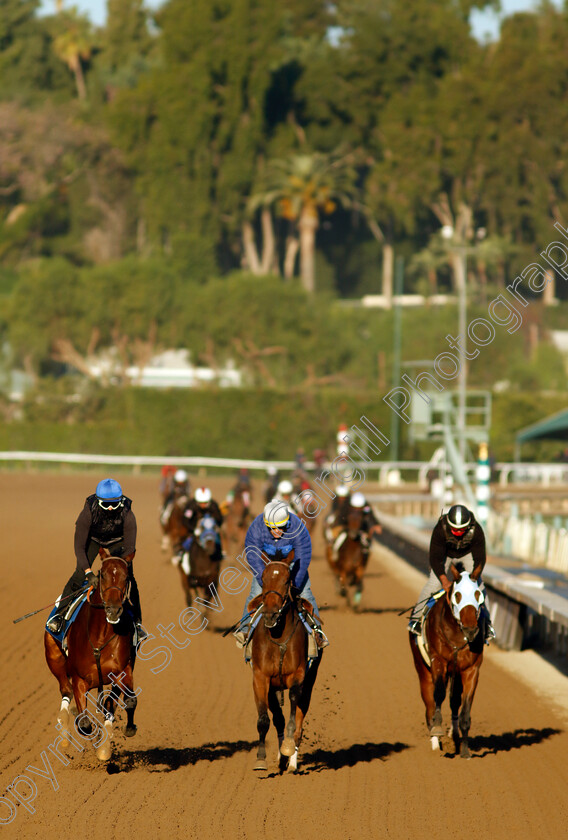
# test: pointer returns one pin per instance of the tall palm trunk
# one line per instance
(307, 225)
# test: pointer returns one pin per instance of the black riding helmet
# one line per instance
(458, 518)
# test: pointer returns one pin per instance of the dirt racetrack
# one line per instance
(366, 769)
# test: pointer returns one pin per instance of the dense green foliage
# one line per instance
(184, 180)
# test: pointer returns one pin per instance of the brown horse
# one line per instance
(352, 556)
(453, 643)
(173, 525)
(198, 566)
(279, 651)
(237, 518)
(99, 644)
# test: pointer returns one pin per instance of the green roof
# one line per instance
(554, 427)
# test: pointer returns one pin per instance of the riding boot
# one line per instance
(320, 638)
(136, 608)
(488, 629)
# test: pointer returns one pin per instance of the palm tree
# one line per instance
(302, 187)
(73, 44)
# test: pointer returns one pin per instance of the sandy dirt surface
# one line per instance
(366, 768)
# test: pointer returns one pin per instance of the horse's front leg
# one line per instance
(57, 664)
(130, 700)
(290, 744)
(261, 683)
(439, 673)
(279, 724)
(469, 680)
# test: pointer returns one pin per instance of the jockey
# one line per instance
(456, 536)
(166, 481)
(276, 529)
(271, 487)
(369, 524)
(203, 504)
(284, 494)
(106, 521)
(180, 487)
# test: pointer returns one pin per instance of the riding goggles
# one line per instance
(111, 504)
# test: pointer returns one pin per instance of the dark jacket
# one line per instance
(443, 544)
(105, 528)
(193, 513)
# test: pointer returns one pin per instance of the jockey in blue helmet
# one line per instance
(106, 521)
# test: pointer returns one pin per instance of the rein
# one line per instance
(103, 605)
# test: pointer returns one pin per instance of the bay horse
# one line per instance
(352, 556)
(198, 567)
(173, 526)
(279, 659)
(99, 644)
(454, 643)
(237, 517)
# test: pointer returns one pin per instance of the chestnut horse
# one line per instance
(279, 659)
(352, 556)
(99, 644)
(198, 568)
(454, 644)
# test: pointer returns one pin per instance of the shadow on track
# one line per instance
(169, 759)
(318, 760)
(483, 745)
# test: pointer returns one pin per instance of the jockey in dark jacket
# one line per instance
(276, 529)
(456, 536)
(106, 521)
(202, 505)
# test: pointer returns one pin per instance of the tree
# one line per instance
(302, 187)
(73, 44)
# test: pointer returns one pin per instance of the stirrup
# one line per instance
(140, 632)
(241, 636)
(55, 623)
(490, 633)
(415, 626)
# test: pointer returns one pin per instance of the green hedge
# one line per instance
(237, 423)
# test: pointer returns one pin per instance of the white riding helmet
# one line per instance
(180, 477)
(203, 495)
(358, 500)
(276, 514)
(285, 487)
(342, 491)
(271, 471)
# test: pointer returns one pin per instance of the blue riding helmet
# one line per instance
(108, 489)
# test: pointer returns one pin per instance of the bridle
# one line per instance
(286, 599)
(473, 596)
(102, 592)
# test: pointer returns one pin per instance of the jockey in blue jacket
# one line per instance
(276, 529)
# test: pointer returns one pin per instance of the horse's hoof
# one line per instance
(130, 731)
(288, 747)
(437, 732)
(464, 751)
(261, 764)
(103, 752)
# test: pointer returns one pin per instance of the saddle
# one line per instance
(306, 614)
(421, 639)
(69, 616)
